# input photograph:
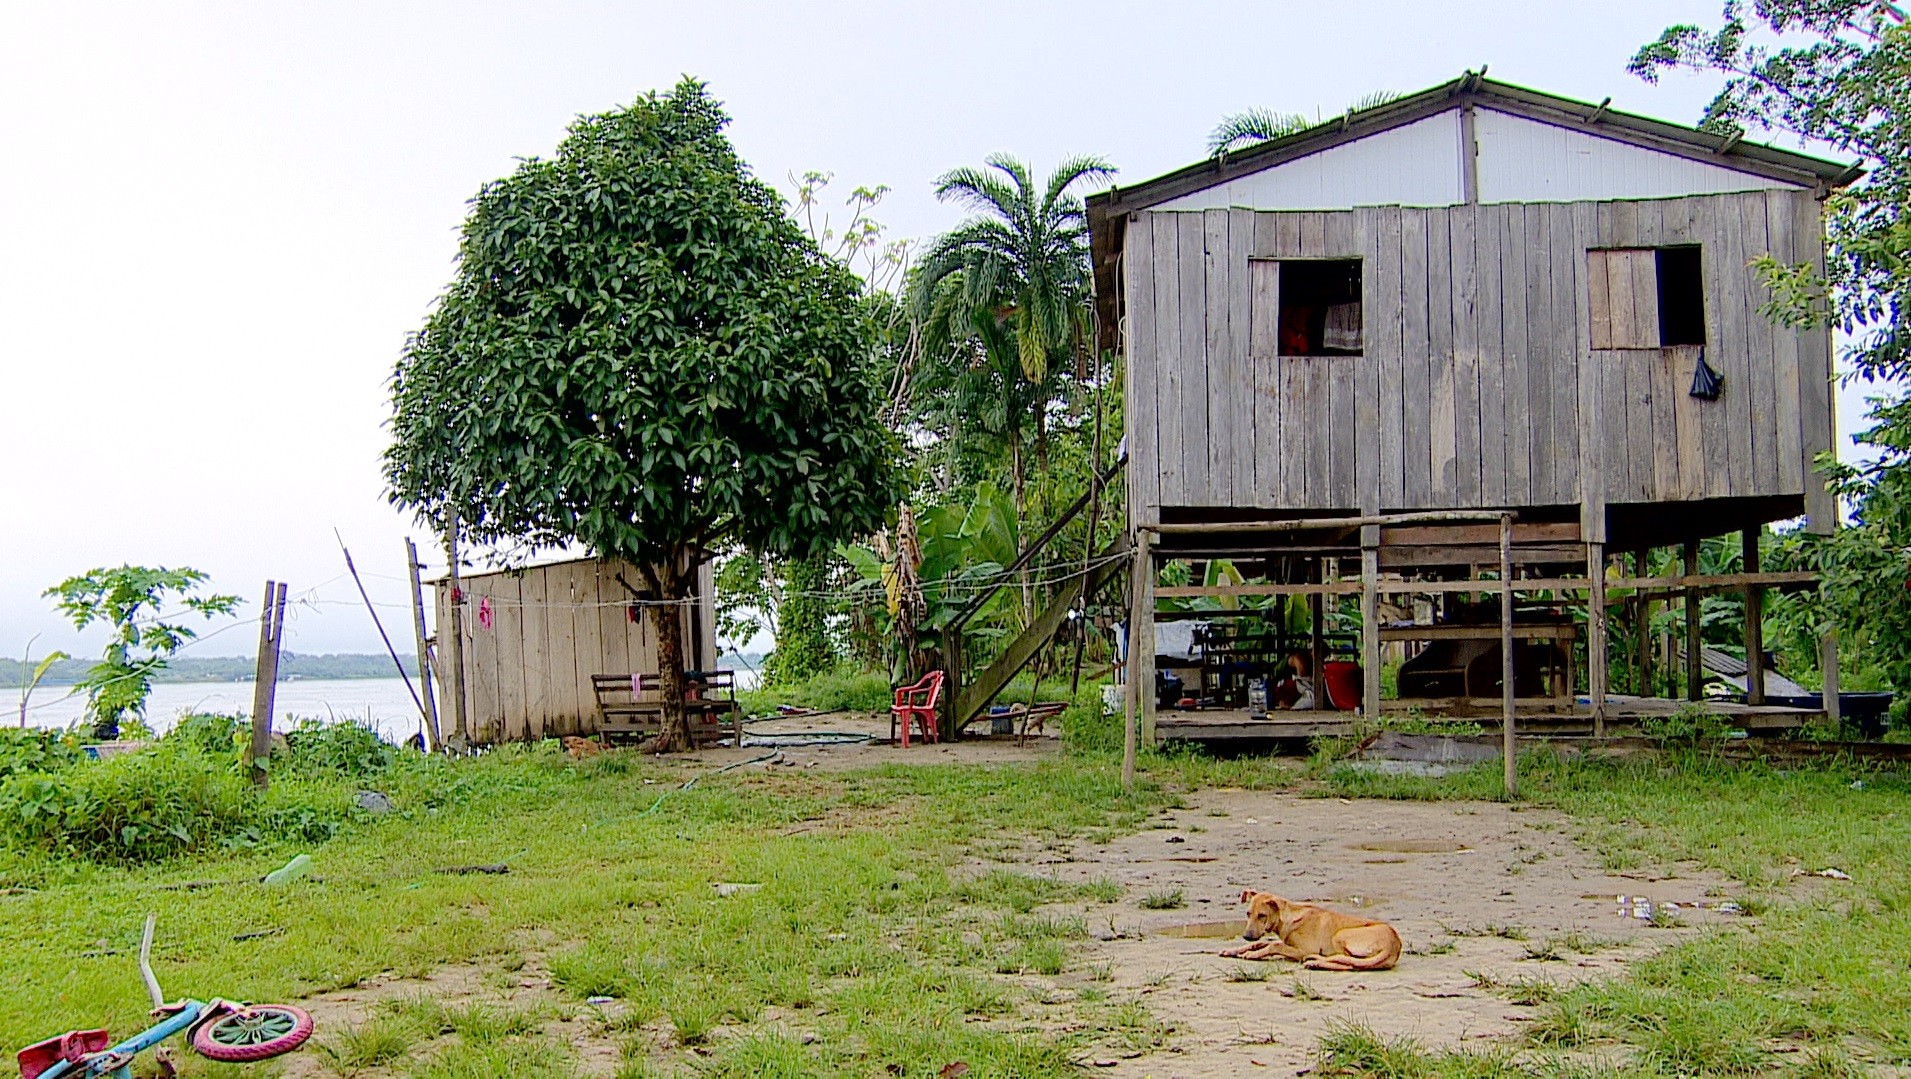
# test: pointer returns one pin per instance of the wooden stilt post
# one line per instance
(1142, 651)
(422, 632)
(1317, 651)
(1828, 670)
(1370, 621)
(1509, 740)
(1140, 693)
(1596, 663)
(265, 682)
(1694, 669)
(455, 646)
(1642, 627)
(1754, 622)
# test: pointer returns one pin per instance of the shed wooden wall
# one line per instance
(528, 676)
(1478, 386)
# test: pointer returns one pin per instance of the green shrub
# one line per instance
(216, 736)
(347, 748)
(844, 689)
(159, 804)
(28, 750)
(1085, 729)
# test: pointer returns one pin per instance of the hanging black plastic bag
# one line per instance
(1706, 382)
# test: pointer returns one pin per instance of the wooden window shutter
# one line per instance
(1264, 308)
(1623, 286)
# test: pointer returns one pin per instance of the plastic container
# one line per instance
(1343, 684)
(292, 870)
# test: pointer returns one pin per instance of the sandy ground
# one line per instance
(1473, 888)
(1449, 876)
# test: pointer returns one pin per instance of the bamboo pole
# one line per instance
(1509, 742)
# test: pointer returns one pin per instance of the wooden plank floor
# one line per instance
(1224, 725)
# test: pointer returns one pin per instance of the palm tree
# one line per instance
(1264, 125)
(1005, 294)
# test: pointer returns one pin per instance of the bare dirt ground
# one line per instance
(1459, 880)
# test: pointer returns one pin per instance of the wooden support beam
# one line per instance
(421, 631)
(1596, 664)
(1317, 647)
(1141, 643)
(1509, 741)
(1694, 672)
(266, 682)
(1700, 584)
(456, 690)
(1754, 621)
(1305, 524)
(1370, 631)
(1642, 628)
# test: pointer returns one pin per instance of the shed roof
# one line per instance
(1107, 210)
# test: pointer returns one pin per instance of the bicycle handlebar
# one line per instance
(146, 963)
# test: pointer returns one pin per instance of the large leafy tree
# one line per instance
(1837, 75)
(642, 353)
(1003, 298)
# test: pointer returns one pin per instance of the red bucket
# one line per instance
(1343, 684)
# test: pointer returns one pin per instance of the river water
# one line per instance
(384, 703)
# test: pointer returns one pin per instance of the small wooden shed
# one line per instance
(534, 636)
(1477, 303)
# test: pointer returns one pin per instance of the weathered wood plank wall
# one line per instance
(527, 675)
(1510, 359)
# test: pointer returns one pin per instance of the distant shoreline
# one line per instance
(230, 670)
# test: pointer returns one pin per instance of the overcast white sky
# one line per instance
(219, 220)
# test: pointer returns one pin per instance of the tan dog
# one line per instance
(1319, 938)
(579, 748)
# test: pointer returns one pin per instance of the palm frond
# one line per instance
(1074, 170)
(1373, 100)
(1251, 126)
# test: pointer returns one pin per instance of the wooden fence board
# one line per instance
(1142, 374)
(1222, 388)
(1416, 484)
(1171, 465)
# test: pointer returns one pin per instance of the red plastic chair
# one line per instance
(918, 703)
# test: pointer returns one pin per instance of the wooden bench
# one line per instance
(631, 706)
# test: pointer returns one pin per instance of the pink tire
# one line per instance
(256, 1032)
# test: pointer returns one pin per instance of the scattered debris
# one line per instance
(600, 1000)
(954, 1070)
(299, 866)
(258, 934)
(373, 802)
(494, 869)
(727, 889)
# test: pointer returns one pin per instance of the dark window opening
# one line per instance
(1320, 307)
(1681, 297)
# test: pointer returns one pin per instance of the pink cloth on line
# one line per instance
(485, 617)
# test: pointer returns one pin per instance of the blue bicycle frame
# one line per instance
(117, 1062)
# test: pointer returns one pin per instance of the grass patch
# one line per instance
(866, 935)
(1174, 900)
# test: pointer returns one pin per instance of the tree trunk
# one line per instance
(666, 620)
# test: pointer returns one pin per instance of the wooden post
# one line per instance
(265, 682)
(1142, 650)
(1754, 622)
(456, 644)
(422, 632)
(1694, 668)
(1596, 663)
(1642, 626)
(1370, 626)
(1317, 654)
(1828, 668)
(1509, 741)
(1131, 699)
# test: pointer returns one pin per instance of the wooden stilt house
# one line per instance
(1475, 327)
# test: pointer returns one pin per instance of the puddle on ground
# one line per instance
(1204, 930)
(1414, 846)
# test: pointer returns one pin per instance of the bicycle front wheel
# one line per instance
(252, 1033)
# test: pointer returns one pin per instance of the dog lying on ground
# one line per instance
(1319, 938)
(579, 748)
